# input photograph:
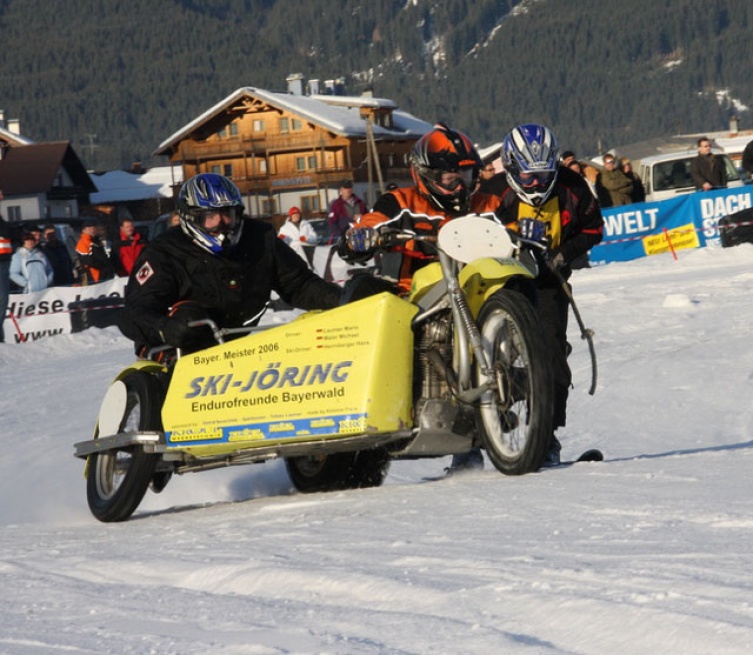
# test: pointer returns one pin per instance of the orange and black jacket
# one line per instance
(390, 206)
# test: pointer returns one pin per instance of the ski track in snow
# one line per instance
(647, 552)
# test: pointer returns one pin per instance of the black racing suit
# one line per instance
(574, 225)
(233, 287)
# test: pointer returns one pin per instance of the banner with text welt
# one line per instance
(687, 221)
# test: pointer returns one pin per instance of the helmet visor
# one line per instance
(450, 182)
(217, 220)
(538, 178)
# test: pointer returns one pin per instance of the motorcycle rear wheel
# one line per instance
(338, 471)
(515, 419)
(118, 479)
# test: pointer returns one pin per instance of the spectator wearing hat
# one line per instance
(94, 263)
(345, 210)
(296, 232)
(29, 267)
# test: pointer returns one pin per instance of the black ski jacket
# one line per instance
(233, 287)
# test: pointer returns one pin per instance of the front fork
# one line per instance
(468, 337)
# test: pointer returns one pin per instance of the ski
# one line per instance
(590, 455)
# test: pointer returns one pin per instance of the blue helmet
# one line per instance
(530, 154)
(206, 194)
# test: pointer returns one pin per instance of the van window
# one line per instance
(672, 175)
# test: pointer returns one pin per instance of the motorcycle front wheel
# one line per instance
(338, 471)
(118, 479)
(515, 417)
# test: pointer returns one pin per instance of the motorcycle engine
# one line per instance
(433, 360)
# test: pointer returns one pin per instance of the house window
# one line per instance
(312, 162)
(268, 206)
(233, 128)
(284, 126)
(261, 165)
(300, 163)
(310, 204)
(259, 125)
(222, 133)
(217, 169)
(14, 213)
(297, 125)
(227, 170)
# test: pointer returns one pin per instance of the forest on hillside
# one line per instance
(117, 77)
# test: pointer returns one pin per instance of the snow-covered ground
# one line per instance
(648, 552)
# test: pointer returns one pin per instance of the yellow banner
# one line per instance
(341, 372)
(681, 237)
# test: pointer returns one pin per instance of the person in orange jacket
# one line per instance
(444, 165)
(93, 261)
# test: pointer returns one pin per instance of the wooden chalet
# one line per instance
(43, 181)
(290, 149)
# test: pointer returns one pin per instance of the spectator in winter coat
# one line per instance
(619, 185)
(639, 192)
(345, 210)
(295, 232)
(707, 170)
(127, 248)
(57, 252)
(29, 268)
(93, 261)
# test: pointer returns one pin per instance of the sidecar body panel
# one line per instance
(327, 375)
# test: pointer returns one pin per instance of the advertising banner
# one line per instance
(650, 228)
(62, 310)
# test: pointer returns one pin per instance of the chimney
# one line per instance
(14, 126)
(329, 87)
(734, 125)
(314, 87)
(295, 84)
(340, 86)
(2, 118)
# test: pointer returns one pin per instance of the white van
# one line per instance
(664, 176)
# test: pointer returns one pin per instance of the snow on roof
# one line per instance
(339, 114)
(120, 186)
(7, 135)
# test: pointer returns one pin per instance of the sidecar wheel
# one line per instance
(515, 418)
(118, 479)
(339, 471)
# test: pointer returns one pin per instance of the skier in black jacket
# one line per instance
(218, 264)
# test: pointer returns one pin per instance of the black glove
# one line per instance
(177, 332)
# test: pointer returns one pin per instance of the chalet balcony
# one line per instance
(247, 146)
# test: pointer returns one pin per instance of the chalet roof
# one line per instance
(339, 114)
(122, 186)
(32, 169)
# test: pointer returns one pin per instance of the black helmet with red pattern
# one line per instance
(445, 164)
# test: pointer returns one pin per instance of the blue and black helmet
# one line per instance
(530, 154)
(205, 195)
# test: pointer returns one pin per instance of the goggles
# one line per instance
(451, 181)
(203, 216)
(540, 178)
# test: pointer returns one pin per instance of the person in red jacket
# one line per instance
(127, 248)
